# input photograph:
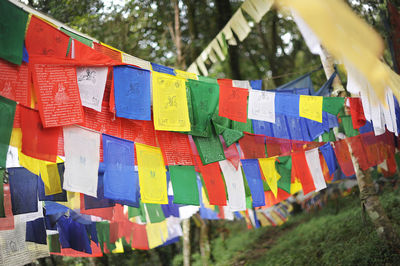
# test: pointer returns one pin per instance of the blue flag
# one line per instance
(121, 181)
(24, 190)
(287, 104)
(253, 175)
(132, 92)
(100, 201)
(330, 158)
(162, 69)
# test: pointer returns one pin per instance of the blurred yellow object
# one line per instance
(349, 39)
(272, 176)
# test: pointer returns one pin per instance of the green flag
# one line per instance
(347, 123)
(77, 37)
(2, 213)
(184, 184)
(204, 99)
(210, 149)
(7, 111)
(156, 215)
(12, 32)
(284, 167)
(332, 105)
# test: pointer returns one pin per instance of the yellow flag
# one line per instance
(119, 248)
(185, 75)
(74, 200)
(31, 164)
(16, 138)
(263, 220)
(348, 38)
(152, 174)
(311, 107)
(295, 187)
(170, 103)
(205, 199)
(272, 176)
(156, 233)
(50, 177)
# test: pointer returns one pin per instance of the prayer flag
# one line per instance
(210, 149)
(152, 174)
(57, 92)
(91, 83)
(170, 105)
(7, 110)
(311, 107)
(13, 24)
(234, 183)
(120, 178)
(37, 141)
(314, 164)
(302, 172)
(252, 173)
(132, 92)
(184, 185)
(14, 82)
(233, 103)
(267, 165)
(23, 187)
(175, 148)
(82, 157)
(214, 183)
(261, 105)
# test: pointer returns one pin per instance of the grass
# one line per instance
(321, 238)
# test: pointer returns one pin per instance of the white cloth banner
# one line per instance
(257, 8)
(130, 59)
(174, 227)
(312, 41)
(240, 25)
(91, 83)
(234, 184)
(261, 105)
(244, 84)
(82, 148)
(314, 163)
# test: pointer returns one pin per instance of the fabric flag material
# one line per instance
(314, 164)
(132, 92)
(37, 141)
(359, 152)
(329, 156)
(155, 213)
(36, 231)
(108, 51)
(170, 105)
(82, 157)
(162, 69)
(55, 180)
(252, 173)
(267, 165)
(175, 148)
(57, 91)
(261, 105)
(184, 185)
(186, 75)
(23, 187)
(203, 101)
(13, 23)
(233, 103)
(120, 179)
(235, 186)
(343, 157)
(91, 83)
(214, 183)
(284, 167)
(210, 149)
(311, 107)
(287, 104)
(46, 40)
(152, 174)
(252, 146)
(280, 128)
(333, 105)
(77, 37)
(357, 113)
(302, 172)
(49, 173)
(99, 201)
(7, 110)
(14, 82)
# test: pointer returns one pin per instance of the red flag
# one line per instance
(37, 141)
(139, 237)
(15, 82)
(299, 163)
(175, 148)
(252, 146)
(44, 39)
(343, 156)
(357, 113)
(233, 103)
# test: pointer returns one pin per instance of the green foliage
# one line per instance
(322, 238)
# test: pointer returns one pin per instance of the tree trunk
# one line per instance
(176, 36)
(369, 198)
(224, 15)
(186, 242)
(204, 241)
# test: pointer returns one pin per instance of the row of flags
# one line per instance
(99, 153)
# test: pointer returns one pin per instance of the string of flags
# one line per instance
(101, 151)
